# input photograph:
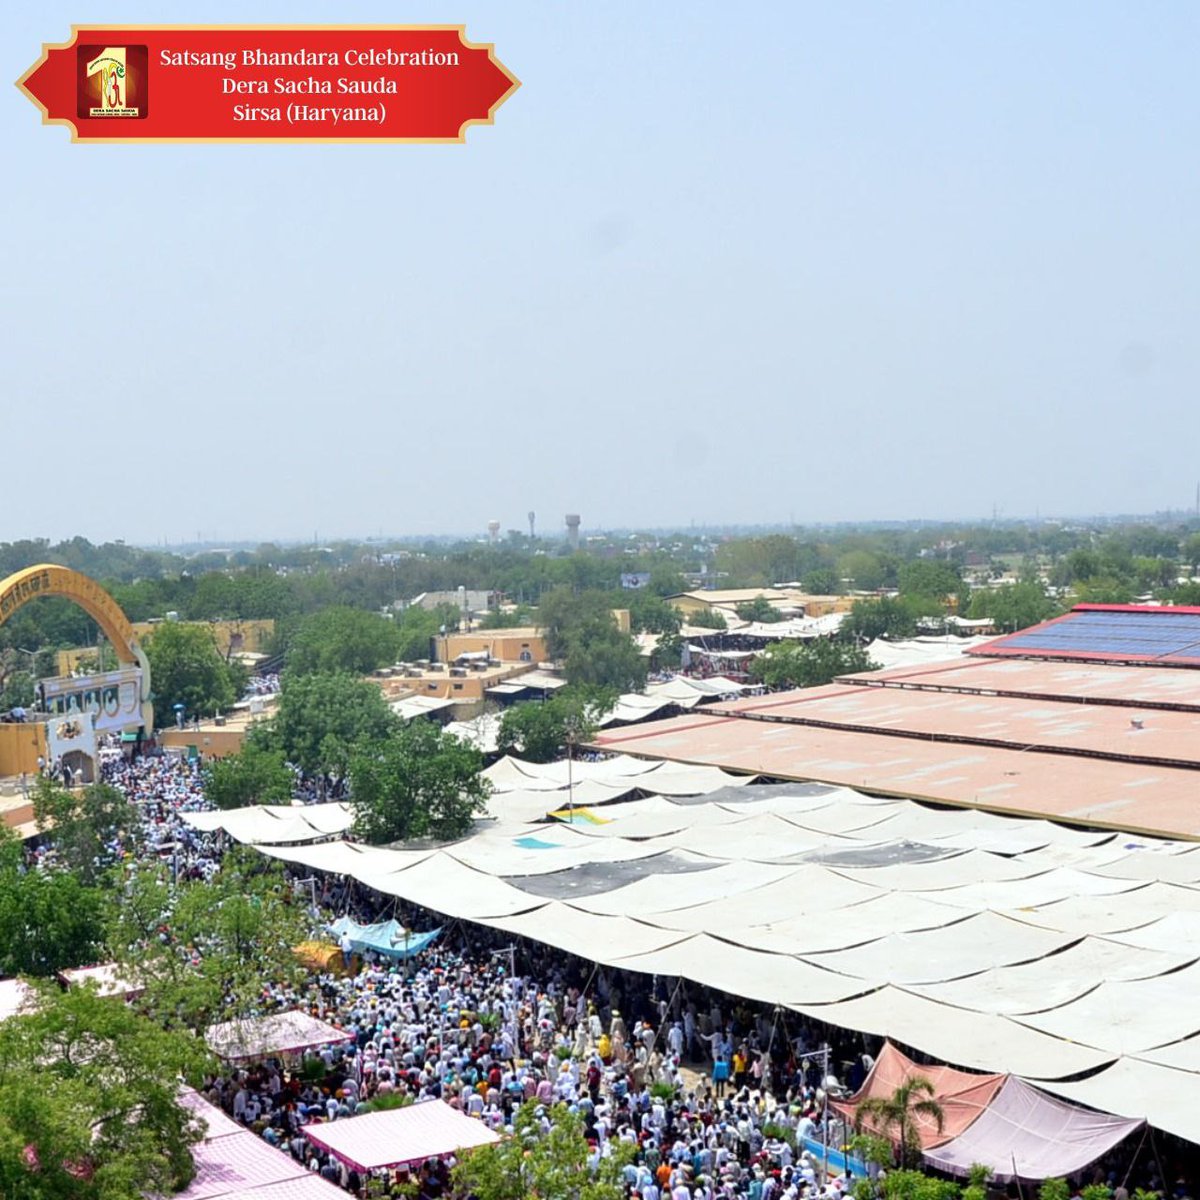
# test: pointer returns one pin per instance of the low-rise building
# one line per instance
(523, 644)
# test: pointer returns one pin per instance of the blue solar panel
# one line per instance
(1160, 634)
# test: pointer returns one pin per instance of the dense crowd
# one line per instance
(714, 1097)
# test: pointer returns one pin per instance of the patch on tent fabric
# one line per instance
(533, 843)
(572, 816)
(593, 879)
(759, 791)
(883, 854)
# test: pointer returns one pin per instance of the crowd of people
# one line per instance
(711, 1097)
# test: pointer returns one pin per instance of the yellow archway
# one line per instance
(47, 579)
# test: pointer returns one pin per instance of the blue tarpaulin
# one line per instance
(388, 938)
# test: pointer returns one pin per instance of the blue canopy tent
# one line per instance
(387, 938)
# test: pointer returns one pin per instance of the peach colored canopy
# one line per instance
(963, 1095)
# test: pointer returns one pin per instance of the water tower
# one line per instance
(493, 532)
(531, 516)
(573, 530)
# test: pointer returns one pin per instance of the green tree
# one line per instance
(916, 1185)
(809, 664)
(18, 691)
(1102, 589)
(649, 613)
(564, 616)
(1013, 606)
(544, 1166)
(186, 668)
(898, 1116)
(1054, 1189)
(255, 775)
(417, 628)
(1183, 593)
(707, 618)
(202, 949)
(85, 826)
(89, 1105)
(865, 570)
(49, 920)
(606, 658)
(419, 782)
(540, 730)
(343, 639)
(822, 581)
(759, 609)
(928, 577)
(581, 631)
(321, 718)
(890, 617)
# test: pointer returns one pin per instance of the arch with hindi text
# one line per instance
(48, 579)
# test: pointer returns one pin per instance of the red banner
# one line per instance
(342, 83)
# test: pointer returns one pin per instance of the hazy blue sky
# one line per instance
(818, 261)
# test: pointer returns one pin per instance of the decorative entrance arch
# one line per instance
(47, 579)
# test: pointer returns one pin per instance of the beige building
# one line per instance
(465, 685)
(524, 644)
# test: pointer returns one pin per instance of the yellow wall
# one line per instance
(505, 645)
(621, 616)
(211, 740)
(20, 746)
(255, 634)
(255, 637)
(822, 606)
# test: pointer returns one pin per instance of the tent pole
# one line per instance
(1136, 1153)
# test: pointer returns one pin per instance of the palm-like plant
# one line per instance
(896, 1116)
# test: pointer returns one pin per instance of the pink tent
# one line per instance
(963, 1095)
(290, 1032)
(232, 1163)
(1026, 1134)
(397, 1136)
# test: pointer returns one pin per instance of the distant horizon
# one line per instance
(558, 535)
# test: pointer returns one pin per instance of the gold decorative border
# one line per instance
(461, 30)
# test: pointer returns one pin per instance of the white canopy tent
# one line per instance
(1001, 959)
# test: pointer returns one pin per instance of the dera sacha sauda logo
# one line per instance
(112, 82)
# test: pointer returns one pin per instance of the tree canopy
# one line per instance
(89, 826)
(49, 920)
(186, 668)
(418, 782)
(531, 1163)
(540, 730)
(759, 609)
(887, 617)
(322, 717)
(344, 639)
(202, 949)
(255, 775)
(809, 663)
(89, 1101)
(1013, 606)
(897, 1115)
(582, 632)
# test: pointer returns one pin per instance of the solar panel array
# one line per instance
(1161, 635)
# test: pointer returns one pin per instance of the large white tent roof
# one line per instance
(275, 824)
(989, 942)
